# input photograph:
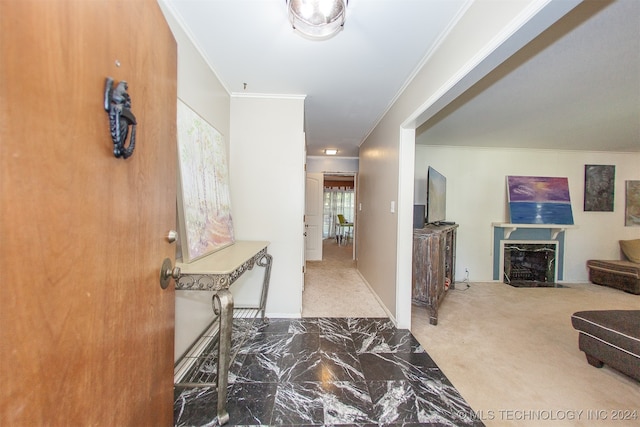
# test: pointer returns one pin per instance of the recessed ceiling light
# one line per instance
(330, 151)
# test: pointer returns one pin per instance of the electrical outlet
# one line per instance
(466, 274)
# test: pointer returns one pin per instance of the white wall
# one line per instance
(332, 164)
(267, 190)
(199, 88)
(476, 197)
(267, 201)
(485, 35)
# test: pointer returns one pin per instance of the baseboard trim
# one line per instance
(375, 295)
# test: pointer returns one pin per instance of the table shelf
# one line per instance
(217, 272)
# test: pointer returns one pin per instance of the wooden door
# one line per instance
(86, 332)
(313, 216)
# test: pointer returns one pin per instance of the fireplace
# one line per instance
(529, 263)
(533, 234)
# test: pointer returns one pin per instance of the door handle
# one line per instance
(172, 236)
(167, 272)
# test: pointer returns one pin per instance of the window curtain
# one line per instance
(337, 200)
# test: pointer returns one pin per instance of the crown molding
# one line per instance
(266, 95)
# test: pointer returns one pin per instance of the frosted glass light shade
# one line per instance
(317, 19)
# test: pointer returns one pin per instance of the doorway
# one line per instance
(328, 195)
(339, 213)
(336, 273)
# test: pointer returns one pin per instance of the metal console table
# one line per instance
(217, 272)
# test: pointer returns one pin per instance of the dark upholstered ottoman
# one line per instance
(610, 337)
(624, 275)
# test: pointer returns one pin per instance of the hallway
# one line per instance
(333, 287)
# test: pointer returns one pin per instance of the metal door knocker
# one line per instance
(117, 103)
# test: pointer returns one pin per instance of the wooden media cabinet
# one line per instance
(434, 266)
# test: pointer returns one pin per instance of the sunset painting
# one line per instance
(539, 200)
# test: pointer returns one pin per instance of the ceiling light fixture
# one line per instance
(330, 151)
(317, 19)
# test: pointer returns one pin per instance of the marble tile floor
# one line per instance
(325, 371)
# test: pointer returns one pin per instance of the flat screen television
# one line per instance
(436, 197)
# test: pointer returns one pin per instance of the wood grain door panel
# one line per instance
(87, 332)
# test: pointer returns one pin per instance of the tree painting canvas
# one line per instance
(539, 200)
(632, 204)
(599, 184)
(204, 205)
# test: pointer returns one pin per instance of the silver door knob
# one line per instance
(167, 272)
(172, 236)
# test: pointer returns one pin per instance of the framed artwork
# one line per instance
(632, 203)
(599, 185)
(204, 205)
(539, 200)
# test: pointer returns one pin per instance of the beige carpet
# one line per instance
(511, 352)
(513, 355)
(333, 287)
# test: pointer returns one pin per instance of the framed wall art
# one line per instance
(204, 205)
(539, 200)
(632, 204)
(599, 185)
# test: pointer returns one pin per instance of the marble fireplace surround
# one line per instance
(533, 266)
(505, 233)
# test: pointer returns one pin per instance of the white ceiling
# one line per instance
(576, 87)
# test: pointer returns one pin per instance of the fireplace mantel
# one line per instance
(509, 228)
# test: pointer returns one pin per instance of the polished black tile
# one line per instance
(334, 325)
(325, 371)
(300, 326)
(252, 403)
(381, 367)
(347, 402)
(259, 367)
(341, 367)
(393, 401)
(302, 366)
(336, 343)
(298, 403)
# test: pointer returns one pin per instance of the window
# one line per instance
(337, 200)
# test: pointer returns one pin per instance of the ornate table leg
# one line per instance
(223, 306)
(265, 261)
